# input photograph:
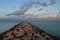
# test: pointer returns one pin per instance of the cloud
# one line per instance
(53, 15)
(41, 14)
(36, 15)
(2, 11)
(26, 6)
(40, 9)
(22, 10)
(16, 13)
(3, 16)
(52, 2)
(44, 4)
(45, 14)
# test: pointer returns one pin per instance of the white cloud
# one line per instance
(3, 16)
(53, 15)
(41, 14)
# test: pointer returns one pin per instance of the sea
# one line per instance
(50, 26)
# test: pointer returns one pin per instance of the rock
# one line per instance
(25, 31)
(18, 32)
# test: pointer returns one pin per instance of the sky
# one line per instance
(25, 9)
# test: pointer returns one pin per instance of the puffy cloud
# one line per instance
(52, 2)
(45, 14)
(53, 15)
(40, 14)
(26, 6)
(16, 13)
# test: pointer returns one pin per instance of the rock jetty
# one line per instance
(25, 31)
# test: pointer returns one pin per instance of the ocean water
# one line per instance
(4, 26)
(50, 26)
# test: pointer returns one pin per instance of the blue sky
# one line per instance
(10, 6)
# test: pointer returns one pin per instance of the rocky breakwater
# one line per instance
(25, 31)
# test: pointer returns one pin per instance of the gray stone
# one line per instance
(25, 31)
